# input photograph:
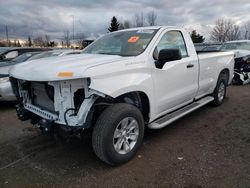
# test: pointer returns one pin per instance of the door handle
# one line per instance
(190, 66)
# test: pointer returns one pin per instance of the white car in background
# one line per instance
(6, 93)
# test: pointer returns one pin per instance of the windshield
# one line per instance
(236, 46)
(124, 43)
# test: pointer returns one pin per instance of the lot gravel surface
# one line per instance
(208, 148)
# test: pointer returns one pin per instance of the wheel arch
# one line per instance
(138, 99)
(225, 72)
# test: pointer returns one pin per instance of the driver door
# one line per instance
(176, 83)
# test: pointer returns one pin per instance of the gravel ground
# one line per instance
(208, 148)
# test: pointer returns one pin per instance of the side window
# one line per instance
(11, 55)
(172, 40)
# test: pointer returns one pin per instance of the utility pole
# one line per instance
(7, 34)
(73, 25)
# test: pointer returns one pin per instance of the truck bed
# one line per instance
(211, 64)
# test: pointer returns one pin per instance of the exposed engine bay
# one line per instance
(59, 102)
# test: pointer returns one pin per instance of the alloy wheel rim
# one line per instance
(126, 135)
(221, 92)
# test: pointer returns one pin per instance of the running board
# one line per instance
(169, 118)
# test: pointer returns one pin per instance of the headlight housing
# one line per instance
(4, 79)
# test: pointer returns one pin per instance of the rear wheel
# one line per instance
(118, 133)
(220, 90)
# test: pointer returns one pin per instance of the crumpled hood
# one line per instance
(47, 69)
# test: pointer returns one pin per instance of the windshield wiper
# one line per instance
(105, 53)
(108, 53)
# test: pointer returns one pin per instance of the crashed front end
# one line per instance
(242, 70)
(63, 103)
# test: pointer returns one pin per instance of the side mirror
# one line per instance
(167, 55)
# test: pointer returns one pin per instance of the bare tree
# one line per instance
(121, 26)
(246, 31)
(219, 31)
(47, 40)
(66, 38)
(225, 30)
(79, 37)
(233, 33)
(151, 18)
(38, 41)
(139, 20)
(3, 43)
(125, 25)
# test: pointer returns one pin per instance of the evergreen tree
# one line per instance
(15, 43)
(114, 26)
(29, 41)
(197, 38)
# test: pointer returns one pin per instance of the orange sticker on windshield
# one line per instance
(133, 39)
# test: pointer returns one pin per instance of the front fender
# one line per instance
(120, 84)
(116, 79)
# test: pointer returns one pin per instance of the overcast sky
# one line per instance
(53, 17)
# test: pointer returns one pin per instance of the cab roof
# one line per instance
(150, 27)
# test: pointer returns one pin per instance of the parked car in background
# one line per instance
(242, 60)
(123, 82)
(6, 93)
(4, 49)
(12, 53)
(85, 43)
(6, 65)
(241, 45)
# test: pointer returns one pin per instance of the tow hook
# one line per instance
(22, 113)
(46, 126)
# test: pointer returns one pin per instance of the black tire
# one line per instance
(222, 80)
(104, 129)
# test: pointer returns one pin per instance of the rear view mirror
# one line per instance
(11, 55)
(167, 55)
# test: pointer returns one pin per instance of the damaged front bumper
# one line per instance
(68, 104)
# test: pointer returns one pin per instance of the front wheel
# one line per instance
(118, 133)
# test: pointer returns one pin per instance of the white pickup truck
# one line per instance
(123, 82)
